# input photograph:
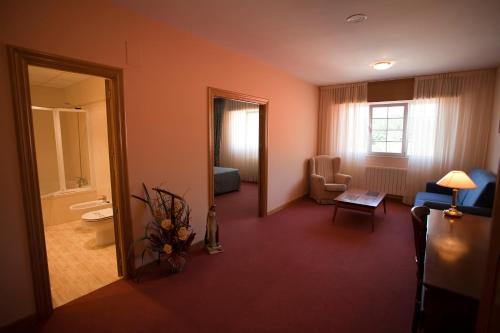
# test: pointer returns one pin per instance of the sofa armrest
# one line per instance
(482, 211)
(341, 178)
(317, 180)
(435, 188)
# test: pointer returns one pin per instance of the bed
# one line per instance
(226, 180)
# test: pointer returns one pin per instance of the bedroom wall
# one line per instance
(166, 75)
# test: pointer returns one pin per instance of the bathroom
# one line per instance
(71, 142)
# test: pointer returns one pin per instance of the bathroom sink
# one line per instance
(89, 204)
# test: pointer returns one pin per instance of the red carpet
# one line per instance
(293, 271)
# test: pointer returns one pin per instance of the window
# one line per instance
(239, 146)
(388, 129)
(244, 129)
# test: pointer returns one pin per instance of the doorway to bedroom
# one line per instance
(238, 155)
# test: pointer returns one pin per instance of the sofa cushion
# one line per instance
(422, 197)
(483, 194)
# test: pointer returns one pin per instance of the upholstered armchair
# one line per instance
(326, 182)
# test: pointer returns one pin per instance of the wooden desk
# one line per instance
(455, 264)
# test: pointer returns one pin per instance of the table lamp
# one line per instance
(456, 180)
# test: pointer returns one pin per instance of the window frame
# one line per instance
(405, 121)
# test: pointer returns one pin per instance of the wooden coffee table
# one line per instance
(360, 200)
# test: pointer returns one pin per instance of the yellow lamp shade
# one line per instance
(457, 179)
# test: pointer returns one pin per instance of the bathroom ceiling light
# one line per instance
(356, 18)
(382, 65)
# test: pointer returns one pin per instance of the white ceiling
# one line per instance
(311, 40)
(53, 78)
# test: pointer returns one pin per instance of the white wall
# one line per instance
(100, 151)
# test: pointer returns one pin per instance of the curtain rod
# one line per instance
(409, 77)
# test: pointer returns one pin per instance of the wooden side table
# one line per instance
(360, 200)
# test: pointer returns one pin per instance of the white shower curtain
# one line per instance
(239, 146)
(448, 126)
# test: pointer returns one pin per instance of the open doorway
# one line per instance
(238, 151)
(72, 157)
(71, 141)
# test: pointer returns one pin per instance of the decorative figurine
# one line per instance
(212, 233)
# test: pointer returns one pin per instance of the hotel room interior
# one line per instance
(318, 166)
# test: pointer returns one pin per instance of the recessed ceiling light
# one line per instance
(382, 65)
(356, 18)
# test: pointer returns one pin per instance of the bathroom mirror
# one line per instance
(45, 144)
(75, 148)
(62, 139)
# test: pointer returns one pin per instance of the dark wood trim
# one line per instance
(27, 160)
(263, 149)
(263, 116)
(26, 324)
(19, 59)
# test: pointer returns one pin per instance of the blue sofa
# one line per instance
(478, 201)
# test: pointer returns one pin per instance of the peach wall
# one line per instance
(166, 84)
(494, 142)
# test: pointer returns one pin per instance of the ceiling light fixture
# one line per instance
(356, 18)
(382, 65)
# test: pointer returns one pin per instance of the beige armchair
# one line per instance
(326, 183)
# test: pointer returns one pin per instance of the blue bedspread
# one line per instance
(226, 180)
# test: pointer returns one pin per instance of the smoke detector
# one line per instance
(356, 18)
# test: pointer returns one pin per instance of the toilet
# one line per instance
(102, 222)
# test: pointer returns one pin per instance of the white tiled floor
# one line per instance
(76, 266)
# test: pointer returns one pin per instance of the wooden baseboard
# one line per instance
(197, 246)
(287, 204)
(26, 324)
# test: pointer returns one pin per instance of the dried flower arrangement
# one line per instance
(168, 234)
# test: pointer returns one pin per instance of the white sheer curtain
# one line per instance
(343, 127)
(448, 126)
(240, 139)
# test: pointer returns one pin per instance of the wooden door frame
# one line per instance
(263, 119)
(19, 59)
